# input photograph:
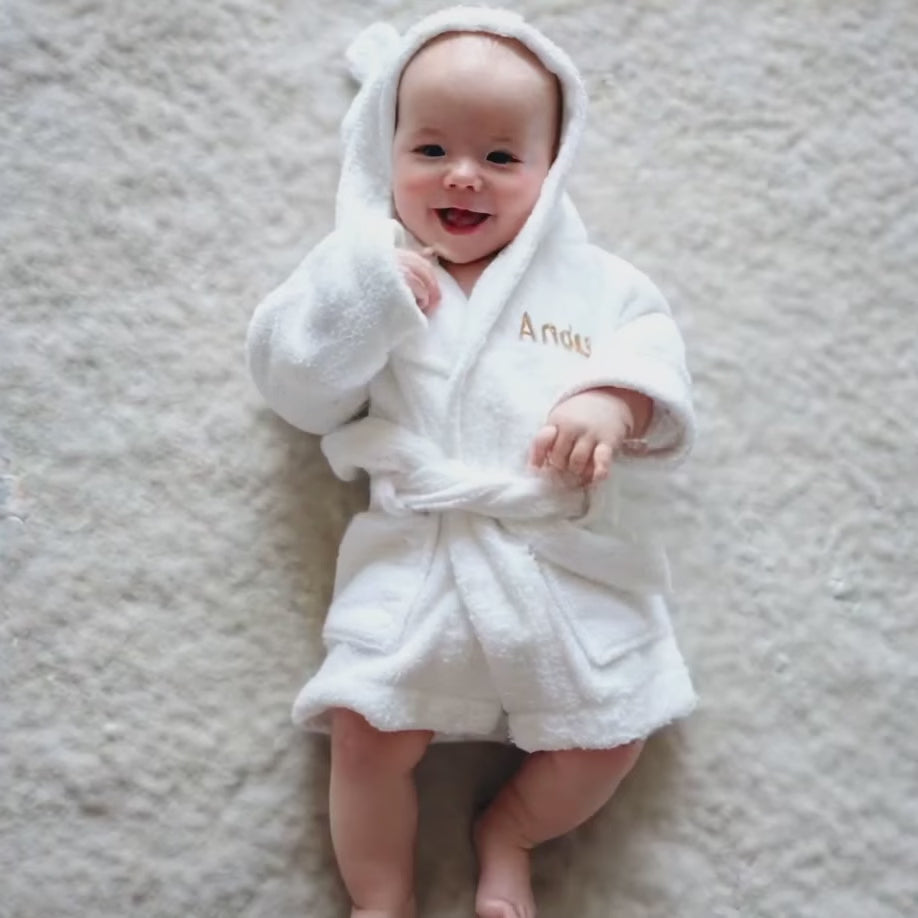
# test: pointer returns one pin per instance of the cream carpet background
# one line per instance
(167, 545)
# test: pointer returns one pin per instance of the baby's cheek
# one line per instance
(411, 182)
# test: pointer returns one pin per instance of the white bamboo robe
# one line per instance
(476, 598)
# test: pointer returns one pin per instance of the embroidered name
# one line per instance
(549, 334)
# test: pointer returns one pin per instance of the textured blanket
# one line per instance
(167, 545)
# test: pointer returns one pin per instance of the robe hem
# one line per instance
(397, 708)
(602, 726)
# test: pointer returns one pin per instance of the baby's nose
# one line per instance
(464, 175)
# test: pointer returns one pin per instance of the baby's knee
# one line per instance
(357, 746)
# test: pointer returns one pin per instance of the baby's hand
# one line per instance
(419, 275)
(582, 433)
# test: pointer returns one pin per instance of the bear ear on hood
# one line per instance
(371, 50)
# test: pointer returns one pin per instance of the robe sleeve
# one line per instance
(315, 343)
(644, 352)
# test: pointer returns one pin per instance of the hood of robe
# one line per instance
(377, 58)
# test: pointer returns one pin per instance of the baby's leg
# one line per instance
(552, 793)
(373, 812)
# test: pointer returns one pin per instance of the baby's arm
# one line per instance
(636, 388)
(317, 341)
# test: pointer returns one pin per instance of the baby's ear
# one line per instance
(371, 49)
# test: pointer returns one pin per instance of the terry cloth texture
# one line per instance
(168, 545)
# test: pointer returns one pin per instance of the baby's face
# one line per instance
(476, 135)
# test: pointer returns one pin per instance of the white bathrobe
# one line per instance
(476, 598)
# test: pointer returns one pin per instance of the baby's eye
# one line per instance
(430, 149)
(502, 158)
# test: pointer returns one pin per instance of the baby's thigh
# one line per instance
(588, 767)
(358, 747)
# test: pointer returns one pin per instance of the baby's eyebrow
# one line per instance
(426, 131)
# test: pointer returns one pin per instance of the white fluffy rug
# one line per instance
(167, 545)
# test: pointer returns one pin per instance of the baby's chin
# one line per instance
(448, 254)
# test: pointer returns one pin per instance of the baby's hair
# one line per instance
(511, 44)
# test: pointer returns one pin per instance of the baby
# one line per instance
(505, 582)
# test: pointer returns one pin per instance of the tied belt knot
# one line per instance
(409, 475)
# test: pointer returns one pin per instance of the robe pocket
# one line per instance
(382, 566)
(605, 622)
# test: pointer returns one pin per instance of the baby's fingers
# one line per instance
(541, 445)
(433, 287)
(560, 455)
(420, 277)
(602, 462)
(419, 290)
(581, 455)
(426, 293)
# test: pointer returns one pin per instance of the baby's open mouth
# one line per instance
(457, 220)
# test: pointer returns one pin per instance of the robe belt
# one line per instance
(409, 475)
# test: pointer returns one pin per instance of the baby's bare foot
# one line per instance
(504, 888)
